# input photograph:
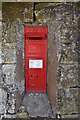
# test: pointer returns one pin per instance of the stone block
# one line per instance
(0, 72)
(8, 53)
(44, 13)
(11, 103)
(0, 15)
(0, 11)
(3, 101)
(8, 42)
(0, 5)
(22, 115)
(17, 11)
(8, 32)
(67, 101)
(8, 74)
(68, 76)
(69, 53)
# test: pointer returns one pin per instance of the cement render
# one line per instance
(37, 105)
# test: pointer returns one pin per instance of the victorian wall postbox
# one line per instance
(35, 58)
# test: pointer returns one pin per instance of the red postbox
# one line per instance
(35, 58)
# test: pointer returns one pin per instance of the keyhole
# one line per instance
(31, 76)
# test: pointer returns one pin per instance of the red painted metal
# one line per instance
(35, 58)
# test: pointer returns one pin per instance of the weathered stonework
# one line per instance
(3, 101)
(8, 74)
(17, 11)
(67, 101)
(8, 43)
(62, 21)
(66, 37)
(68, 76)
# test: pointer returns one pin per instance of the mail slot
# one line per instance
(35, 41)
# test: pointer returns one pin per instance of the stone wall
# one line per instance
(62, 21)
(64, 18)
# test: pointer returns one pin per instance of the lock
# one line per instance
(31, 76)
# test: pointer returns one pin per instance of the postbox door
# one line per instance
(35, 59)
(36, 74)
